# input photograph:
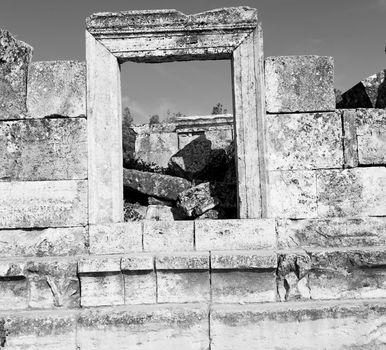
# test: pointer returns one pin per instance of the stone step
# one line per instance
(295, 325)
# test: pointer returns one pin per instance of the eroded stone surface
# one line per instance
(299, 84)
(43, 149)
(235, 234)
(57, 87)
(351, 192)
(15, 56)
(159, 213)
(157, 185)
(43, 204)
(292, 194)
(304, 141)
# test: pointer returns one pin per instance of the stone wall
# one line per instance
(310, 275)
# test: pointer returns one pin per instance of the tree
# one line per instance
(218, 109)
(128, 136)
(171, 117)
(127, 118)
(154, 119)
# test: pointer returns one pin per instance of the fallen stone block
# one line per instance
(218, 213)
(246, 234)
(292, 194)
(139, 279)
(116, 238)
(43, 149)
(15, 57)
(168, 235)
(299, 84)
(155, 185)
(312, 325)
(183, 277)
(352, 192)
(304, 141)
(368, 93)
(198, 160)
(57, 88)
(243, 277)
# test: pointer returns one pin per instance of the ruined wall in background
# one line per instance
(67, 285)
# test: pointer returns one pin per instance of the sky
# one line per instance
(351, 31)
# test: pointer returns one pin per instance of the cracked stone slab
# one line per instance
(15, 57)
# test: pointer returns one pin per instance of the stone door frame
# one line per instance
(164, 36)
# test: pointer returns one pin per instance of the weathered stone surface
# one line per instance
(202, 123)
(304, 141)
(198, 160)
(46, 242)
(292, 194)
(134, 211)
(350, 139)
(334, 232)
(371, 135)
(157, 201)
(347, 274)
(368, 93)
(53, 284)
(144, 327)
(139, 279)
(159, 213)
(13, 293)
(248, 234)
(115, 238)
(213, 214)
(198, 199)
(45, 330)
(15, 56)
(157, 185)
(99, 264)
(222, 260)
(183, 277)
(168, 235)
(156, 149)
(56, 87)
(102, 289)
(43, 149)
(43, 204)
(299, 84)
(308, 325)
(352, 192)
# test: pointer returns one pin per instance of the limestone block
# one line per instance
(307, 325)
(139, 279)
(15, 56)
(115, 238)
(332, 232)
(13, 293)
(186, 138)
(292, 194)
(43, 204)
(371, 135)
(344, 274)
(350, 139)
(159, 213)
(46, 242)
(243, 277)
(304, 141)
(352, 192)
(299, 84)
(220, 138)
(101, 281)
(101, 288)
(144, 327)
(235, 234)
(57, 88)
(53, 283)
(368, 93)
(43, 330)
(43, 149)
(168, 235)
(156, 149)
(183, 278)
(153, 184)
